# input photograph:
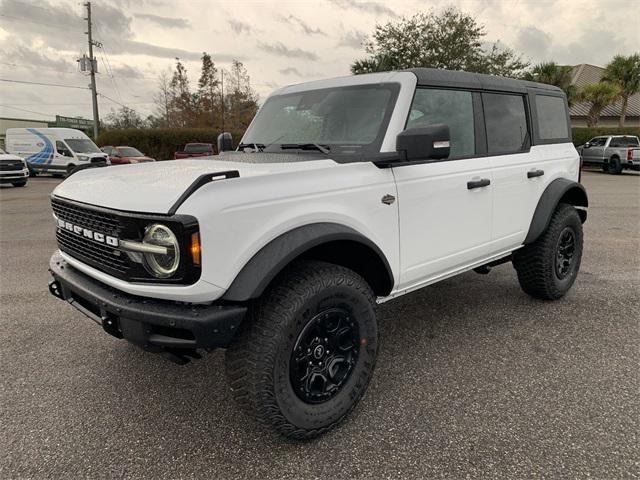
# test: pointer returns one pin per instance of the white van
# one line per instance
(57, 151)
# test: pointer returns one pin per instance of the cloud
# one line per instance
(240, 27)
(375, 8)
(167, 22)
(291, 71)
(533, 42)
(281, 50)
(305, 27)
(25, 56)
(352, 39)
(125, 71)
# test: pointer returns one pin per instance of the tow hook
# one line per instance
(55, 290)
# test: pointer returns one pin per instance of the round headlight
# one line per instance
(162, 265)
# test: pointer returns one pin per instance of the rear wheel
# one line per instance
(306, 354)
(548, 267)
(615, 167)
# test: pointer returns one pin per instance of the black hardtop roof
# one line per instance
(477, 81)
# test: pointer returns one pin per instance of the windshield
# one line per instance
(129, 152)
(347, 120)
(194, 148)
(82, 145)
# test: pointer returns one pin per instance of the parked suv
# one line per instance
(344, 193)
(613, 153)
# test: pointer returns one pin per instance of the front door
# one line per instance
(595, 152)
(445, 206)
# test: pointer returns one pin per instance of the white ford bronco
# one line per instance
(342, 194)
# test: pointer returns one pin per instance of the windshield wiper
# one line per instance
(306, 146)
(258, 147)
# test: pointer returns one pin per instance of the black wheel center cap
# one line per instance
(318, 352)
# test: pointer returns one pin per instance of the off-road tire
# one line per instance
(19, 184)
(615, 166)
(258, 362)
(536, 263)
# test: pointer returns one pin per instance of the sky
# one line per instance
(280, 42)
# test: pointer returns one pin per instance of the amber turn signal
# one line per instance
(195, 249)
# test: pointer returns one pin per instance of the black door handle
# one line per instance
(535, 173)
(483, 182)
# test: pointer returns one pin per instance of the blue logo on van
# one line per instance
(45, 156)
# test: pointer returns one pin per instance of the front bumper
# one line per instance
(154, 325)
(17, 176)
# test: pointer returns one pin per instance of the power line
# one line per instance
(25, 110)
(43, 84)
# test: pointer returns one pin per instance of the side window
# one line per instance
(552, 117)
(616, 142)
(506, 121)
(62, 149)
(453, 108)
(598, 141)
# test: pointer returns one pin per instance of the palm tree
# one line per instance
(599, 95)
(625, 73)
(554, 74)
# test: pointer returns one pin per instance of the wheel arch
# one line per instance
(330, 242)
(558, 191)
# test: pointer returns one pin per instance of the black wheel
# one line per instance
(615, 167)
(19, 184)
(32, 172)
(605, 167)
(548, 267)
(71, 168)
(305, 355)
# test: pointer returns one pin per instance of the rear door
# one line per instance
(445, 211)
(515, 167)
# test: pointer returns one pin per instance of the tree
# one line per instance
(124, 117)
(207, 89)
(164, 100)
(451, 40)
(240, 100)
(182, 99)
(624, 72)
(599, 95)
(554, 74)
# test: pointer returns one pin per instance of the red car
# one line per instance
(195, 150)
(125, 155)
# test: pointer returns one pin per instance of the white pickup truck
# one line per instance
(343, 194)
(613, 153)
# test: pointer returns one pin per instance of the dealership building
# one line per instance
(67, 122)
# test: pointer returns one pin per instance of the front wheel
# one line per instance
(548, 267)
(19, 184)
(305, 355)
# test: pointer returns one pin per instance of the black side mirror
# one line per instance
(587, 145)
(432, 142)
(225, 142)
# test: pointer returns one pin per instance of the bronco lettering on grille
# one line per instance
(86, 233)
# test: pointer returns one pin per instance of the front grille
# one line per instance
(10, 166)
(96, 254)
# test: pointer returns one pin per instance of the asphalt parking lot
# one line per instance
(474, 378)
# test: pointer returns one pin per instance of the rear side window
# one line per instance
(598, 141)
(552, 117)
(623, 142)
(453, 108)
(506, 123)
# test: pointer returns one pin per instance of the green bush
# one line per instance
(160, 143)
(582, 135)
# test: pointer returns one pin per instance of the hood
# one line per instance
(8, 156)
(153, 187)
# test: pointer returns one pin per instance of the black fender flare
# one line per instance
(263, 267)
(558, 190)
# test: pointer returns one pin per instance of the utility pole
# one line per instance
(92, 63)
(222, 94)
